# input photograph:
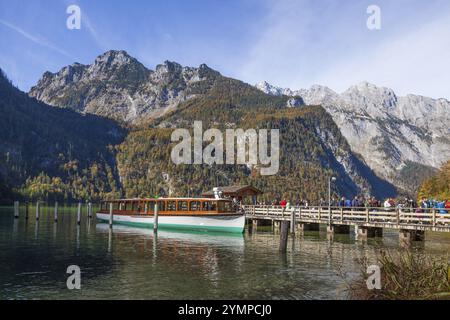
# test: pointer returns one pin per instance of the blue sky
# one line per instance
(289, 43)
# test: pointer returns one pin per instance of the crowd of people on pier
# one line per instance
(424, 205)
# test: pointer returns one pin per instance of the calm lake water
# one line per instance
(130, 263)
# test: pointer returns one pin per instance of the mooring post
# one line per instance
(16, 209)
(56, 211)
(276, 226)
(90, 210)
(406, 237)
(254, 225)
(155, 218)
(38, 209)
(79, 213)
(284, 235)
(110, 215)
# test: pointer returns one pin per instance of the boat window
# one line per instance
(161, 206)
(116, 206)
(225, 206)
(195, 206)
(209, 206)
(150, 206)
(171, 206)
(182, 205)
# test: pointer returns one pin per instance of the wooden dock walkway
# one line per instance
(368, 221)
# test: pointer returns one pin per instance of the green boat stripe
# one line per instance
(178, 226)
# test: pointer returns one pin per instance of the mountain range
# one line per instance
(398, 137)
(106, 133)
(118, 86)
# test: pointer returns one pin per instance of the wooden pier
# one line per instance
(369, 222)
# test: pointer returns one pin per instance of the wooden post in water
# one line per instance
(284, 236)
(56, 211)
(79, 213)
(16, 209)
(90, 210)
(38, 209)
(110, 215)
(155, 218)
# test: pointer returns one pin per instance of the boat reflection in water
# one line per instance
(233, 241)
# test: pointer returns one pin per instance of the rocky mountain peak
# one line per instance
(273, 90)
(114, 58)
(169, 67)
(367, 95)
(116, 64)
(118, 86)
(390, 132)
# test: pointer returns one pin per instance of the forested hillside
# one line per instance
(47, 152)
(56, 153)
(312, 149)
(437, 187)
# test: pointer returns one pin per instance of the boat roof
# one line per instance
(168, 198)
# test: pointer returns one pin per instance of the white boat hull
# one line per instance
(221, 223)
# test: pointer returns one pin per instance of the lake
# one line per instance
(131, 263)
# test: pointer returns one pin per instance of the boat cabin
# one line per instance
(169, 206)
(239, 192)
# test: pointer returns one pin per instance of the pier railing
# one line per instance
(437, 219)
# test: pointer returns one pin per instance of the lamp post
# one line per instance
(331, 179)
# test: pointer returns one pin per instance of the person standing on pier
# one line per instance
(355, 202)
(322, 202)
(348, 203)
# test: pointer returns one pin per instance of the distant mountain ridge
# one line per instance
(312, 147)
(391, 133)
(400, 143)
(118, 86)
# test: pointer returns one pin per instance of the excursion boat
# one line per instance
(207, 214)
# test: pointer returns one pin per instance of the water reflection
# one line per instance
(55, 230)
(36, 230)
(15, 226)
(128, 262)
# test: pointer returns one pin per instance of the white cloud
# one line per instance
(415, 62)
(35, 38)
(275, 55)
(297, 49)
